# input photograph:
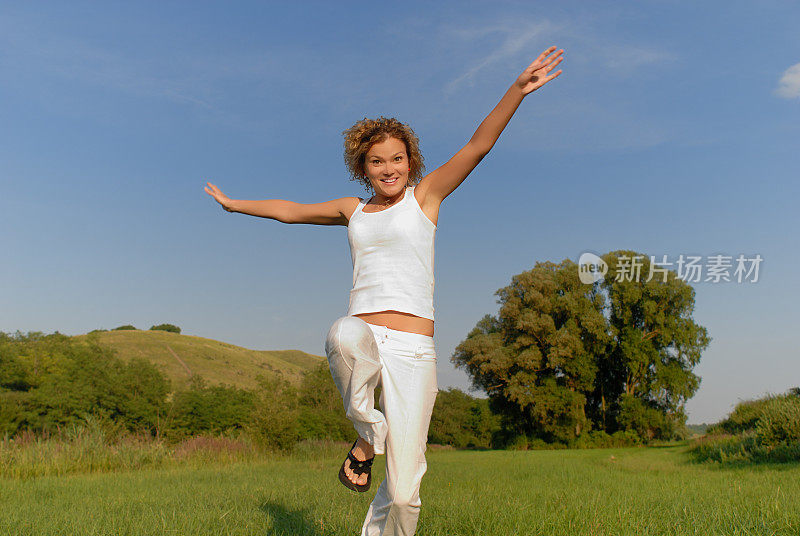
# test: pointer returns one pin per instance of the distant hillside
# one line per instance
(697, 429)
(178, 356)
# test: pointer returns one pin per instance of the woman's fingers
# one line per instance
(217, 195)
(552, 66)
(214, 191)
(552, 61)
(538, 62)
(555, 58)
(545, 53)
(553, 75)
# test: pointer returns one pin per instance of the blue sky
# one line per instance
(673, 130)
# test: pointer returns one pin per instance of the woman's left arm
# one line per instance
(445, 179)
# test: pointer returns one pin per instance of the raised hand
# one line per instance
(221, 198)
(536, 74)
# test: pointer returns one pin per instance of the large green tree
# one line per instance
(648, 373)
(537, 359)
(563, 357)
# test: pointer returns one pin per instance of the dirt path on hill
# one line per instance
(181, 361)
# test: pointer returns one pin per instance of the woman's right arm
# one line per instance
(334, 212)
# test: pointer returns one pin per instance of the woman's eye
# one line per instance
(399, 158)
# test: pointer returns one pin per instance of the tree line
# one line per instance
(49, 382)
(564, 363)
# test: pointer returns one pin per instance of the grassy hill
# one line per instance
(179, 356)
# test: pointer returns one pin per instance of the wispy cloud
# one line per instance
(232, 87)
(627, 58)
(789, 84)
(63, 57)
(248, 88)
(514, 40)
(580, 43)
(579, 122)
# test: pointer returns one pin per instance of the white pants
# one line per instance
(362, 356)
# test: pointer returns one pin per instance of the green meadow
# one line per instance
(622, 491)
(111, 433)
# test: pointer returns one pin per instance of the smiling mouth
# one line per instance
(389, 181)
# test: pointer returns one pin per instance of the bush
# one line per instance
(778, 416)
(521, 442)
(742, 419)
(637, 416)
(49, 382)
(779, 421)
(321, 412)
(274, 423)
(626, 437)
(599, 439)
(763, 430)
(208, 410)
(742, 449)
(166, 327)
(462, 421)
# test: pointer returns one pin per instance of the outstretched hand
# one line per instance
(535, 75)
(221, 198)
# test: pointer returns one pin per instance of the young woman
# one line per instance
(386, 338)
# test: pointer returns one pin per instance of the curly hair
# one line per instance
(359, 138)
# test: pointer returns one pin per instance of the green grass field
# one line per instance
(654, 490)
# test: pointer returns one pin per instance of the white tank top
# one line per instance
(392, 253)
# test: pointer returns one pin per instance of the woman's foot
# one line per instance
(362, 451)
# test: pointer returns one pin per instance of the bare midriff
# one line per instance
(399, 321)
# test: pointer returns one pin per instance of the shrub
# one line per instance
(166, 327)
(274, 423)
(52, 381)
(462, 421)
(208, 410)
(321, 412)
(637, 416)
(779, 421)
(742, 418)
(592, 439)
(521, 442)
(762, 430)
(600, 439)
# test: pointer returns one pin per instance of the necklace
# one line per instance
(385, 204)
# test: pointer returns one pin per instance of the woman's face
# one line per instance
(384, 161)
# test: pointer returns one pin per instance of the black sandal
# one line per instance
(358, 467)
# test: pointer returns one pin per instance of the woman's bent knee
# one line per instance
(352, 336)
(343, 326)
